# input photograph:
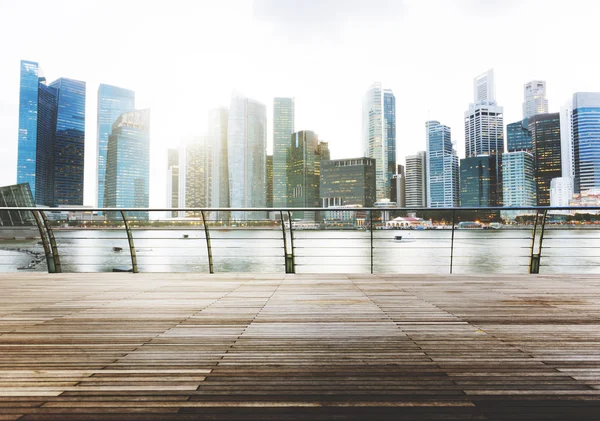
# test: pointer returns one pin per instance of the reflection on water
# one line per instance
(426, 251)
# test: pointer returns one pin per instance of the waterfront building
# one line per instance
(128, 164)
(416, 180)
(535, 98)
(566, 140)
(518, 136)
(247, 152)
(442, 167)
(173, 180)
(51, 140)
(348, 182)
(283, 127)
(304, 172)
(561, 191)
(16, 196)
(545, 135)
(484, 134)
(112, 102)
(219, 176)
(379, 136)
(518, 175)
(198, 170)
(269, 181)
(478, 182)
(400, 183)
(586, 140)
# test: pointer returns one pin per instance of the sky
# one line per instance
(183, 58)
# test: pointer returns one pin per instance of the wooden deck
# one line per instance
(304, 347)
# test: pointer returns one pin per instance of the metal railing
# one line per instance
(271, 240)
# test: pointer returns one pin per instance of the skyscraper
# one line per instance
(217, 137)
(247, 152)
(198, 170)
(518, 136)
(283, 127)
(545, 135)
(478, 181)
(442, 167)
(112, 102)
(269, 181)
(173, 180)
(518, 175)
(304, 171)
(348, 182)
(484, 134)
(379, 136)
(51, 137)
(416, 180)
(128, 164)
(586, 140)
(535, 99)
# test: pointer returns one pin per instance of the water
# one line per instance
(420, 251)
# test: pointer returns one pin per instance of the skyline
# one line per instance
(328, 83)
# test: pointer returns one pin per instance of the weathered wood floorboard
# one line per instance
(298, 347)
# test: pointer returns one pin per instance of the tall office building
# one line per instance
(484, 134)
(269, 181)
(586, 140)
(478, 181)
(198, 170)
(561, 191)
(247, 153)
(379, 136)
(518, 136)
(535, 98)
(348, 182)
(283, 127)
(173, 180)
(400, 183)
(128, 164)
(566, 140)
(442, 167)
(51, 140)
(416, 180)
(219, 177)
(545, 135)
(518, 175)
(304, 171)
(112, 102)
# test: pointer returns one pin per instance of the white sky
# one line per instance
(184, 57)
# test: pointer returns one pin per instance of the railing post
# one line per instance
(452, 242)
(292, 256)
(288, 258)
(53, 246)
(208, 245)
(535, 258)
(134, 266)
(371, 227)
(45, 244)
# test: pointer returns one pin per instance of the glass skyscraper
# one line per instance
(198, 170)
(173, 180)
(416, 180)
(586, 140)
(518, 136)
(51, 137)
(247, 154)
(347, 182)
(535, 98)
(217, 138)
(518, 179)
(442, 167)
(546, 140)
(478, 181)
(128, 164)
(283, 127)
(379, 136)
(112, 102)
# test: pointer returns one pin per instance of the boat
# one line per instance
(398, 238)
(117, 248)
(403, 239)
(186, 236)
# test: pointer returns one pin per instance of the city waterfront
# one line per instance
(565, 250)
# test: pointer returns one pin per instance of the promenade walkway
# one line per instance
(298, 347)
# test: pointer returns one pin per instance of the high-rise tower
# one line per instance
(586, 140)
(283, 127)
(442, 167)
(535, 99)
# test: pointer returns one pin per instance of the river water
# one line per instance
(316, 251)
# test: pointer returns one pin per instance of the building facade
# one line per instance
(545, 135)
(416, 180)
(112, 102)
(269, 181)
(484, 134)
(561, 191)
(478, 181)
(247, 154)
(219, 175)
(16, 196)
(198, 171)
(518, 175)
(28, 110)
(442, 167)
(348, 182)
(283, 127)
(173, 181)
(586, 140)
(535, 98)
(128, 164)
(518, 136)
(379, 136)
